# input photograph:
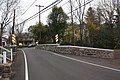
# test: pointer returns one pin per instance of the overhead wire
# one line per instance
(62, 5)
(49, 7)
(66, 2)
(28, 8)
(44, 10)
(81, 6)
(68, 5)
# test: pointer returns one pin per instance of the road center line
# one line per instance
(81, 61)
(26, 66)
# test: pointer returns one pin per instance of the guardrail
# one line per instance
(4, 54)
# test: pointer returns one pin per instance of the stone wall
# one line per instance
(76, 50)
(5, 71)
(48, 47)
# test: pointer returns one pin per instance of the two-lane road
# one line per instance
(44, 65)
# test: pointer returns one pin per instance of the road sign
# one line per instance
(56, 38)
(13, 38)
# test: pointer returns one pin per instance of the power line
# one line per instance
(53, 6)
(28, 8)
(66, 3)
(81, 6)
(43, 10)
(46, 10)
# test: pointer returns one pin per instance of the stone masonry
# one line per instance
(80, 51)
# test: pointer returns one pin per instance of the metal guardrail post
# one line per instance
(4, 57)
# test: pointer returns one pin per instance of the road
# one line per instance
(45, 65)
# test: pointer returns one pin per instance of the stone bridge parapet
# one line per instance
(80, 51)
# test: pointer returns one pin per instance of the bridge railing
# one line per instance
(6, 54)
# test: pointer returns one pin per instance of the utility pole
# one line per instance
(39, 12)
(39, 6)
(13, 22)
(71, 7)
(13, 37)
(81, 22)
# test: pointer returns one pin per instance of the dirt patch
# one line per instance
(117, 54)
(116, 61)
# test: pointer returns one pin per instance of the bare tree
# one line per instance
(79, 15)
(118, 11)
(19, 29)
(6, 16)
(110, 8)
(111, 14)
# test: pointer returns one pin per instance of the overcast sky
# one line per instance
(33, 9)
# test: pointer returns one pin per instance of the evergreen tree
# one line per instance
(40, 32)
(91, 23)
(57, 22)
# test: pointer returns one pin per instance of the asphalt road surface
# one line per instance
(45, 65)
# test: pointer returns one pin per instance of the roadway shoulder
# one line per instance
(18, 66)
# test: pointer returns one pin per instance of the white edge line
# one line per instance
(93, 64)
(26, 66)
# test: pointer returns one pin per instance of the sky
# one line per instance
(33, 9)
